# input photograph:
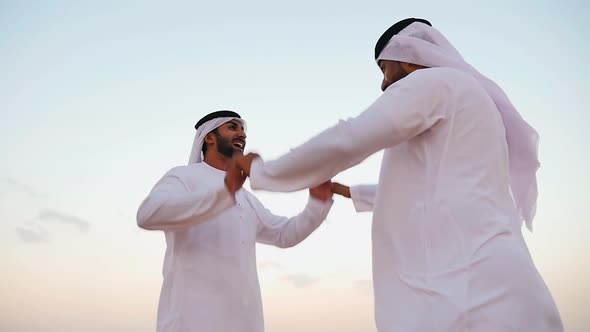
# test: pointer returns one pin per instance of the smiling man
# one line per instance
(210, 278)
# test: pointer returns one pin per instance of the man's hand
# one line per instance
(322, 192)
(340, 189)
(234, 177)
(244, 162)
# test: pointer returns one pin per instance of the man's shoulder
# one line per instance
(184, 170)
(442, 75)
(440, 79)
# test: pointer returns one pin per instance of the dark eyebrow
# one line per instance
(235, 123)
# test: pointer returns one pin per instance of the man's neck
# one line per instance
(217, 160)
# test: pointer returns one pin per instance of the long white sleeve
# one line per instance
(170, 206)
(286, 232)
(363, 197)
(403, 111)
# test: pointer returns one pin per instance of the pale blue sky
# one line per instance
(98, 100)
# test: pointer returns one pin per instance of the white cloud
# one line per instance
(53, 215)
(32, 234)
(14, 185)
(37, 229)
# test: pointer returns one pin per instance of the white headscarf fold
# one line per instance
(423, 45)
(204, 129)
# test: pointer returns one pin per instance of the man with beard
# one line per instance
(457, 181)
(210, 277)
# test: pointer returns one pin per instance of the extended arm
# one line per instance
(286, 232)
(403, 111)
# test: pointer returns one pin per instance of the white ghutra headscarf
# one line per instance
(205, 128)
(423, 45)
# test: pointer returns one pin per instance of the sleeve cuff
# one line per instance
(318, 208)
(254, 176)
(360, 205)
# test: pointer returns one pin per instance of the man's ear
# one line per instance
(209, 138)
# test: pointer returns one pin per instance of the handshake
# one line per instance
(239, 166)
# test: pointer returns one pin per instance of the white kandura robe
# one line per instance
(210, 278)
(448, 252)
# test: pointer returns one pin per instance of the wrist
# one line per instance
(228, 186)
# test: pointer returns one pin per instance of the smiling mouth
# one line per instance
(239, 144)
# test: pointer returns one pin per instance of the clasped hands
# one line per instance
(237, 170)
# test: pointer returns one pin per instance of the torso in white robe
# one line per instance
(448, 252)
(210, 277)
